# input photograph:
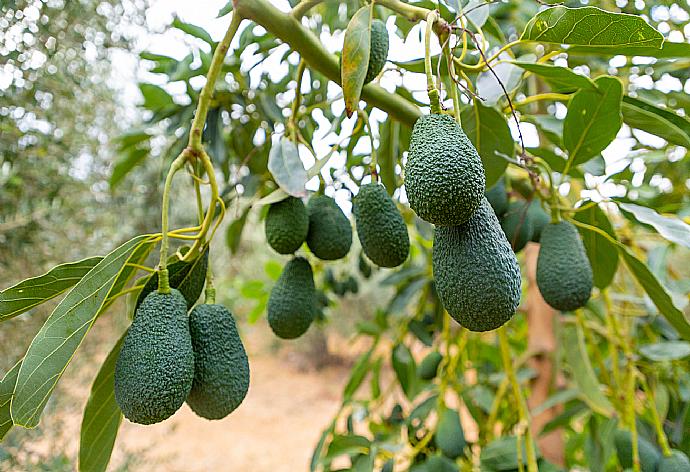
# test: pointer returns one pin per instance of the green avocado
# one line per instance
(330, 233)
(378, 54)
(287, 225)
(649, 455)
(498, 197)
(564, 275)
(427, 369)
(221, 368)
(292, 303)
(516, 225)
(450, 437)
(676, 462)
(476, 273)
(538, 218)
(444, 177)
(155, 368)
(380, 226)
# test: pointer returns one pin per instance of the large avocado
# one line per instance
(379, 50)
(155, 368)
(676, 462)
(498, 197)
(221, 368)
(450, 437)
(564, 275)
(476, 273)
(649, 455)
(287, 224)
(517, 225)
(330, 233)
(292, 303)
(444, 177)
(380, 226)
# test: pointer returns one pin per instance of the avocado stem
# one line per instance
(434, 99)
(374, 157)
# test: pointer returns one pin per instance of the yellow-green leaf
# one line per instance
(6, 392)
(355, 59)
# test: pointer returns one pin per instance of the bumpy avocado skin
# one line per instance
(221, 367)
(538, 218)
(676, 462)
(330, 232)
(380, 226)
(155, 368)
(498, 197)
(476, 272)
(379, 50)
(287, 225)
(649, 456)
(564, 275)
(516, 225)
(450, 437)
(444, 177)
(292, 303)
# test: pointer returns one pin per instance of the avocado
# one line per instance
(649, 455)
(378, 52)
(517, 225)
(676, 462)
(450, 438)
(498, 197)
(380, 226)
(155, 368)
(476, 273)
(221, 368)
(538, 219)
(444, 177)
(292, 302)
(427, 369)
(286, 226)
(330, 233)
(564, 275)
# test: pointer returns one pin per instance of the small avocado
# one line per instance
(450, 437)
(517, 225)
(287, 225)
(538, 219)
(498, 197)
(380, 226)
(330, 232)
(292, 302)
(444, 176)
(378, 53)
(676, 462)
(649, 455)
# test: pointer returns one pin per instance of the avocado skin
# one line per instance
(498, 197)
(517, 225)
(427, 369)
(221, 367)
(476, 273)
(564, 275)
(538, 218)
(444, 177)
(380, 226)
(450, 437)
(676, 462)
(287, 225)
(292, 302)
(649, 456)
(330, 232)
(155, 368)
(378, 53)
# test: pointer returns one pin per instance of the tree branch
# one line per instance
(286, 28)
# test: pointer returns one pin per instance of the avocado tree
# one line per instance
(511, 145)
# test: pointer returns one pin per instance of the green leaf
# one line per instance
(666, 351)
(347, 444)
(6, 393)
(57, 341)
(490, 134)
(658, 121)
(32, 292)
(602, 254)
(225, 10)
(575, 350)
(359, 371)
(593, 119)
(125, 164)
(502, 454)
(193, 30)
(670, 227)
(561, 79)
(405, 370)
(355, 58)
(287, 168)
(102, 418)
(668, 51)
(233, 236)
(591, 26)
(155, 98)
